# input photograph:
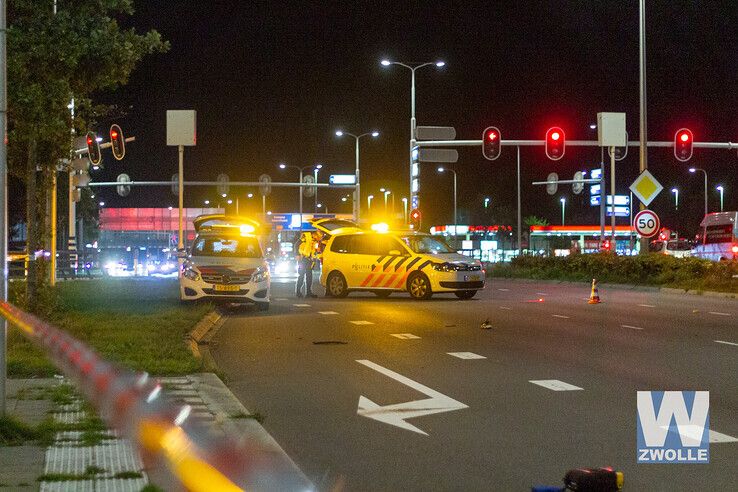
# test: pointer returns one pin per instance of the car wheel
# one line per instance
(262, 306)
(336, 285)
(419, 286)
(383, 293)
(465, 294)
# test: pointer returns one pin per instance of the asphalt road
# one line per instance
(298, 366)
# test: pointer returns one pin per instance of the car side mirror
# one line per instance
(395, 252)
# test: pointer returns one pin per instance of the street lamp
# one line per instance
(694, 170)
(369, 202)
(250, 195)
(386, 192)
(320, 205)
(357, 190)
(676, 198)
(404, 209)
(486, 202)
(412, 67)
(563, 209)
(720, 189)
(102, 204)
(318, 167)
(441, 170)
(207, 202)
(301, 170)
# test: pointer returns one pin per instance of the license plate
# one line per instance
(471, 278)
(226, 288)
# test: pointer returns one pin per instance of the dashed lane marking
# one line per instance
(405, 336)
(280, 299)
(726, 343)
(506, 308)
(504, 290)
(466, 355)
(556, 385)
(361, 322)
(327, 312)
(719, 314)
(301, 305)
(632, 327)
(560, 316)
(647, 305)
(541, 294)
(717, 437)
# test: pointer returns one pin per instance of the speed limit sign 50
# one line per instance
(647, 223)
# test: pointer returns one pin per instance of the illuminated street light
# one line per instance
(102, 204)
(357, 190)
(369, 201)
(676, 198)
(404, 209)
(563, 209)
(694, 170)
(229, 202)
(250, 195)
(413, 67)
(721, 190)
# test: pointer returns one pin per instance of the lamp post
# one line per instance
(486, 202)
(720, 189)
(412, 67)
(694, 170)
(320, 205)
(676, 198)
(404, 209)
(386, 193)
(441, 170)
(301, 170)
(563, 211)
(369, 202)
(318, 167)
(357, 193)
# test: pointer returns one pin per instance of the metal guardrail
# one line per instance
(177, 451)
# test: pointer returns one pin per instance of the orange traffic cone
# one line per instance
(594, 297)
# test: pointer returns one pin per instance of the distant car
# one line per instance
(717, 239)
(680, 248)
(226, 263)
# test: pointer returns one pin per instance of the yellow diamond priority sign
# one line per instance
(646, 188)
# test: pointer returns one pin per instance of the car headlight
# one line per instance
(445, 267)
(191, 274)
(261, 274)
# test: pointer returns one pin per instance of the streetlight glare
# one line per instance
(319, 166)
(563, 200)
(674, 190)
(719, 188)
(440, 64)
(339, 133)
(370, 196)
(386, 63)
(224, 195)
(692, 170)
(381, 190)
(593, 126)
(250, 195)
(375, 134)
(441, 169)
(207, 202)
(282, 166)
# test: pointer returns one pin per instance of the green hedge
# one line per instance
(652, 269)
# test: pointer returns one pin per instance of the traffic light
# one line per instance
(491, 143)
(683, 140)
(555, 143)
(117, 142)
(415, 219)
(93, 149)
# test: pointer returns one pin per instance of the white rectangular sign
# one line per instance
(181, 127)
(342, 179)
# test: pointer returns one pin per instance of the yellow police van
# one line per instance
(383, 261)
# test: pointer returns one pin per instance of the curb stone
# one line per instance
(199, 338)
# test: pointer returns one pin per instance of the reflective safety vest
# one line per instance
(306, 248)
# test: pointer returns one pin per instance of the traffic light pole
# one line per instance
(643, 134)
(180, 226)
(612, 193)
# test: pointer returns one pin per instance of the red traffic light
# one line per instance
(93, 149)
(117, 142)
(555, 143)
(491, 143)
(683, 140)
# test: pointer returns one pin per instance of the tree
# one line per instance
(53, 58)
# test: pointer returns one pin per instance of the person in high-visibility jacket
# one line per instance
(307, 254)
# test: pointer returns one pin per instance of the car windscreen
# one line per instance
(426, 244)
(679, 246)
(227, 246)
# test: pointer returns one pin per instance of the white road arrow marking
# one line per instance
(397, 414)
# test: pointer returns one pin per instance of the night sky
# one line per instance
(272, 81)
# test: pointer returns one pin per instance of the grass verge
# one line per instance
(138, 323)
(654, 269)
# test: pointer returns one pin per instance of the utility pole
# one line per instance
(3, 203)
(643, 134)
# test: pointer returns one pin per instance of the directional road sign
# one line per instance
(438, 155)
(435, 132)
(342, 179)
(646, 188)
(265, 188)
(647, 223)
(308, 191)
